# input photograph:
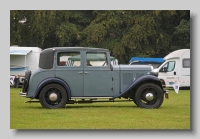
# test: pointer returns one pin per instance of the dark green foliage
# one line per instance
(126, 33)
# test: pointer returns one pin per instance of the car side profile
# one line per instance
(68, 75)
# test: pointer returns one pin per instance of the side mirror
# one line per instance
(165, 69)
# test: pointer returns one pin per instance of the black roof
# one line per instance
(47, 55)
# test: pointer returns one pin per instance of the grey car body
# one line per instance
(64, 77)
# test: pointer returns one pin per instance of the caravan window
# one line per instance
(186, 63)
(168, 67)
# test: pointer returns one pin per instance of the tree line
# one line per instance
(126, 33)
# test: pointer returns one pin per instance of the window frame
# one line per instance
(97, 52)
(185, 59)
(58, 58)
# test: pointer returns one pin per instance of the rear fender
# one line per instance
(137, 82)
(52, 80)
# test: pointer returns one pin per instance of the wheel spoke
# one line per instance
(53, 90)
(153, 92)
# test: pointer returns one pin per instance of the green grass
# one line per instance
(173, 114)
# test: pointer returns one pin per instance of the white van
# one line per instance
(22, 59)
(175, 69)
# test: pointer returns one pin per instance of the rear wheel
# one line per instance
(53, 96)
(149, 96)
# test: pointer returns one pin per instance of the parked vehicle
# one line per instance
(21, 60)
(175, 69)
(154, 62)
(69, 75)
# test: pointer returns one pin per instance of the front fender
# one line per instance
(52, 80)
(145, 78)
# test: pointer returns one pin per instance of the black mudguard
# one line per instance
(143, 79)
(53, 80)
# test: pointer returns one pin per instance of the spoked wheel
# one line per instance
(149, 96)
(53, 96)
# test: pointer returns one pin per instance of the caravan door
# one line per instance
(169, 72)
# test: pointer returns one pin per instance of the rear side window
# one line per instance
(68, 59)
(186, 63)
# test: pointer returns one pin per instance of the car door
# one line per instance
(170, 72)
(97, 75)
(70, 68)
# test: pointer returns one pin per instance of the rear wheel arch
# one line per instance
(55, 81)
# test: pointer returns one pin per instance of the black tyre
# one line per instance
(149, 95)
(53, 96)
(135, 101)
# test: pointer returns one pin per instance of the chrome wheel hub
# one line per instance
(149, 96)
(53, 96)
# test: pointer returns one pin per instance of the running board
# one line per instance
(84, 101)
(31, 101)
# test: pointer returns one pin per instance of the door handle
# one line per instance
(80, 72)
(86, 72)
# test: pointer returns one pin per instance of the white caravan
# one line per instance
(22, 59)
(175, 70)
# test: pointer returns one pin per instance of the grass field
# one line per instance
(173, 114)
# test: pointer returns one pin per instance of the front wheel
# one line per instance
(149, 95)
(53, 96)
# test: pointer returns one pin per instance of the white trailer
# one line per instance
(175, 69)
(22, 59)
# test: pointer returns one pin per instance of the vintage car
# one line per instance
(69, 75)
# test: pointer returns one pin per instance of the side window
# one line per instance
(186, 63)
(169, 66)
(96, 59)
(69, 59)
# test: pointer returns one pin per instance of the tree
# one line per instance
(126, 33)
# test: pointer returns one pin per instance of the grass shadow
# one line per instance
(82, 106)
